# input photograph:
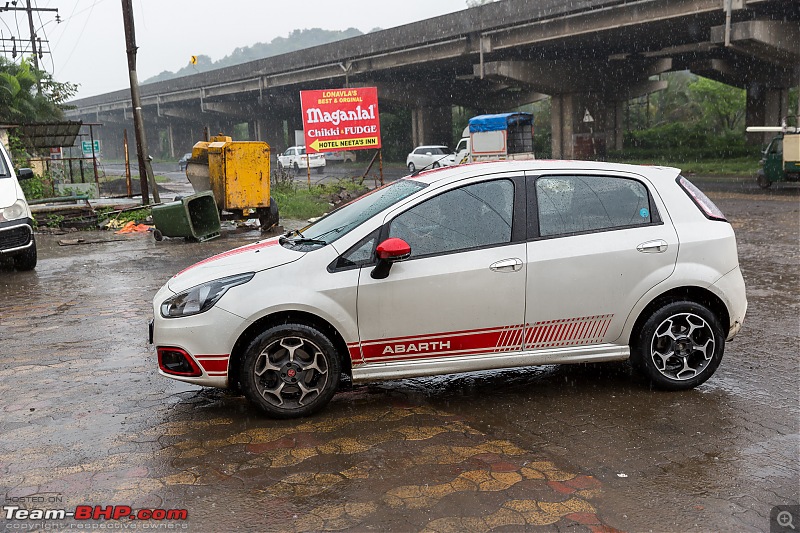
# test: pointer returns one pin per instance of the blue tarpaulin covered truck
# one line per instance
(495, 137)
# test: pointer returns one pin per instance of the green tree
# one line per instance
(20, 98)
(722, 106)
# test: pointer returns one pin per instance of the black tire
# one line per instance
(296, 168)
(411, 167)
(26, 260)
(157, 235)
(300, 356)
(268, 216)
(762, 180)
(679, 347)
(436, 165)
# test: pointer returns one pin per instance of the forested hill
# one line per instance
(297, 40)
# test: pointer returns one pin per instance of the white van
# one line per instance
(16, 222)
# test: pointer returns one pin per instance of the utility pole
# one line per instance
(33, 41)
(145, 170)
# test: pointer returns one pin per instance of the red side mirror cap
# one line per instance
(393, 249)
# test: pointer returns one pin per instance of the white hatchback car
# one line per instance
(295, 158)
(425, 157)
(467, 268)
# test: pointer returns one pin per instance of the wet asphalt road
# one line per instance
(85, 419)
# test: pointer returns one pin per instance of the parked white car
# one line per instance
(295, 158)
(434, 156)
(16, 222)
(474, 267)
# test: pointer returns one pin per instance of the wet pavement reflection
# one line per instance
(87, 421)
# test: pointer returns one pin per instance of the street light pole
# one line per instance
(145, 170)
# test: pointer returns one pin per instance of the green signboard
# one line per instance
(86, 147)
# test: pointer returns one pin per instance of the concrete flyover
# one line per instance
(588, 55)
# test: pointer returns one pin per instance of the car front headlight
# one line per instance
(201, 298)
(16, 210)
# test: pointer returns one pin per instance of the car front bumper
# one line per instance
(207, 338)
(16, 235)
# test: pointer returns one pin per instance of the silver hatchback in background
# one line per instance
(433, 156)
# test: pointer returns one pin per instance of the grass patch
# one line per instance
(297, 200)
(125, 216)
(300, 203)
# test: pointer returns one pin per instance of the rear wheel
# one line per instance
(27, 259)
(290, 370)
(436, 165)
(268, 217)
(296, 168)
(679, 347)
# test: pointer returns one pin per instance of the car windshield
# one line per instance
(342, 220)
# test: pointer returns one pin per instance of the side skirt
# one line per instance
(471, 363)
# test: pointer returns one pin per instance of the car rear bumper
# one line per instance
(731, 287)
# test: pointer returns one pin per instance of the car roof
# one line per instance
(458, 172)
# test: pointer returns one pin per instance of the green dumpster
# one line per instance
(194, 217)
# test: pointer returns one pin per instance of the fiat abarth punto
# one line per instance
(460, 269)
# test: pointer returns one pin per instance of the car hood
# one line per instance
(8, 192)
(254, 257)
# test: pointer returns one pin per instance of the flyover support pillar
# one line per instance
(765, 107)
(270, 130)
(585, 126)
(432, 125)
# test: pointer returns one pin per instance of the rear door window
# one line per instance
(579, 204)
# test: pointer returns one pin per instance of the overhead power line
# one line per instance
(36, 42)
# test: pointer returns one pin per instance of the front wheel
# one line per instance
(679, 347)
(763, 180)
(290, 370)
(411, 167)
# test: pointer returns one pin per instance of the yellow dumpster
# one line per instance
(238, 173)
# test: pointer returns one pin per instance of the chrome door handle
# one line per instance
(653, 247)
(507, 265)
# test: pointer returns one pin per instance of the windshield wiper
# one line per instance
(303, 240)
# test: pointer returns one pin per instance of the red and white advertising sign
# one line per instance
(341, 119)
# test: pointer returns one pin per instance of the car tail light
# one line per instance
(177, 362)
(702, 201)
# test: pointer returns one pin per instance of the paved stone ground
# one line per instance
(86, 420)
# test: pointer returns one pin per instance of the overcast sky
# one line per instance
(88, 46)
